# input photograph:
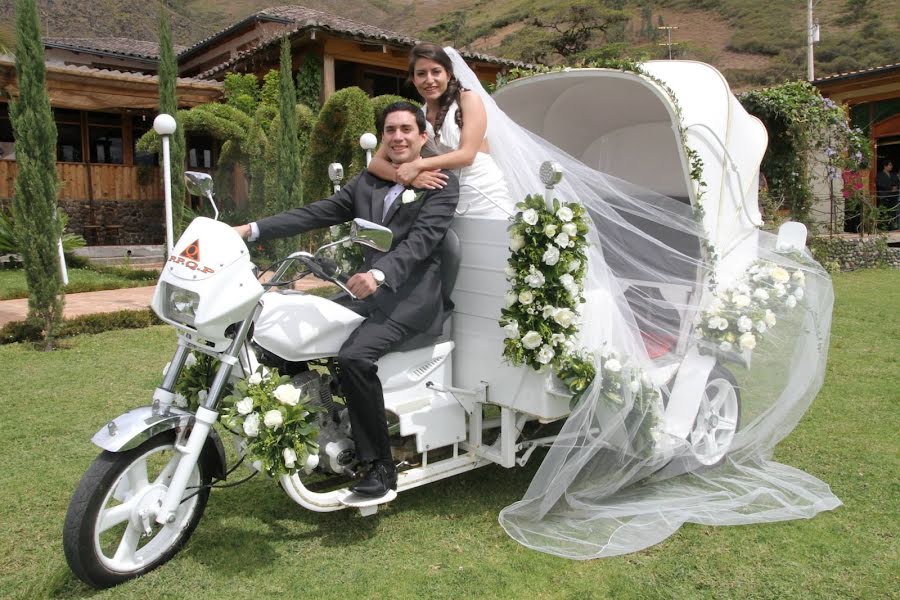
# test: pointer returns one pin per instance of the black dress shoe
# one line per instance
(381, 477)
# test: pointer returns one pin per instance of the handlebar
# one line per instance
(320, 266)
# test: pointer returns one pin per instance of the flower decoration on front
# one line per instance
(274, 420)
(546, 269)
(410, 195)
(738, 318)
(192, 386)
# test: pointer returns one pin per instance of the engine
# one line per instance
(337, 452)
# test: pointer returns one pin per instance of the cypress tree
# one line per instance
(34, 204)
(168, 103)
(287, 191)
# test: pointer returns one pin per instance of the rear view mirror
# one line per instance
(371, 234)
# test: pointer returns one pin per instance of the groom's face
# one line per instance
(401, 137)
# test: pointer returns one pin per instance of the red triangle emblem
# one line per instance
(193, 251)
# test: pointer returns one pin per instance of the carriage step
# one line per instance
(367, 506)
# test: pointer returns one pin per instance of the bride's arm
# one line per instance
(471, 139)
(428, 179)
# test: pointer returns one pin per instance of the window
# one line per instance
(139, 126)
(105, 138)
(7, 140)
(199, 151)
(68, 135)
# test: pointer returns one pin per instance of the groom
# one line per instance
(400, 290)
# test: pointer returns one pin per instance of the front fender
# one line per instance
(131, 429)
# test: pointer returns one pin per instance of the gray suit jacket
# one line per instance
(412, 293)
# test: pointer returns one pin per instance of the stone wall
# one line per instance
(139, 222)
(852, 253)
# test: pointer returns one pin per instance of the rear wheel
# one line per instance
(110, 533)
(718, 418)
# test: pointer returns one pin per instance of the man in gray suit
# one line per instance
(400, 290)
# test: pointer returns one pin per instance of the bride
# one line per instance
(457, 131)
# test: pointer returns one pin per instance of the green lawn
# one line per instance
(443, 540)
(12, 281)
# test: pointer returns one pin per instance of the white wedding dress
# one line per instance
(482, 188)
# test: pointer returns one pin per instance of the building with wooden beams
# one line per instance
(110, 192)
(873, 99)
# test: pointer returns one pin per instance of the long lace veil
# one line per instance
(617, 480)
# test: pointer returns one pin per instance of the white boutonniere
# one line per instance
(410, 195)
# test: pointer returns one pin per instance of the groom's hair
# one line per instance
(407, 107)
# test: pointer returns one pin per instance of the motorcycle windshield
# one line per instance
(205, 248)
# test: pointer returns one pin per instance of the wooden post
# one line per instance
(328, 82)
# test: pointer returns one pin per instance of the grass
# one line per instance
(443, 540)
(12, 281)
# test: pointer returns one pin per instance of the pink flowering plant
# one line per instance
(275, 421)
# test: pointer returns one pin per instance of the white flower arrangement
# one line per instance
(737, 318)
(275, 421)
(545, 273)
(193, 383)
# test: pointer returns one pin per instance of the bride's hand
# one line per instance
(407, 172)
(430, 180)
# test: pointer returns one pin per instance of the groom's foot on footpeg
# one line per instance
(380, 478)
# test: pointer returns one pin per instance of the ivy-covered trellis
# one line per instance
(803, 128)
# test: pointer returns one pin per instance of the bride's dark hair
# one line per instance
(454, 88)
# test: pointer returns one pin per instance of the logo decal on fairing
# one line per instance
(190, 258)
(193, 251)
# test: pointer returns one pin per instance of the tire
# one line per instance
(104, 558)
(718, 418)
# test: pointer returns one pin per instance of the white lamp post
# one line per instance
(368, 141)
(165, 126)
(335, 174)
(550, 174)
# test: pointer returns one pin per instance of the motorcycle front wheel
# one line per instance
(110, 533)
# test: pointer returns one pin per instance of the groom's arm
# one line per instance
(427, 232)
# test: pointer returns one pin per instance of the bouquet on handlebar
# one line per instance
(274, 420)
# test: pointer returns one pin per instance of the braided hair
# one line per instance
(454, 88)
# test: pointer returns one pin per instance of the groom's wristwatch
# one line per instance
(378, 276)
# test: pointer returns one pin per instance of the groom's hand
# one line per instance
(242, 230)
(362, 285)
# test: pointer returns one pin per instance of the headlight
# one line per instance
(181, 305)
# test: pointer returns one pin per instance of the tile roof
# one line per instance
(859, 73)
(111, 45)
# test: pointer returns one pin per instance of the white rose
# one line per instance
(511, 298)
(745, 323)
(564, 316)
(551, 256)
(273, 419)
(570, 229)
(725, 346)
(550, 230)
(532, 340)
(761, 327)
(770, 318)
(613, 365)
(290, 458)
(245, 406)
(534, 279)
(408, 196)
(510, 271)
(799, 277)
(798, 293)
(791, 302)
(191, 360)
(526, 297)
(287, 394)
(512, 330)
(574, 265)
(547, 311)
(761, 294)
(562, 240)
(748, 341)
(180, 400)
(254, 379)
(530, 216)
(556, 339)
(723, 324)
(634, 386)
(741, 300)
(251, 425)
(713, 323)
(545, 354)
(564, 214)
(779, 275)
(516, 242)
(779, 289)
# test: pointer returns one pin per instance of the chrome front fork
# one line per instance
(204, 420)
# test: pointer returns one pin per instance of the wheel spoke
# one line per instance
(710, 441)
(726, 424)
(128, 545)
(115, 515)
(722, 393)
(137, 476)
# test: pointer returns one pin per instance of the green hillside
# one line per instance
(753, 42)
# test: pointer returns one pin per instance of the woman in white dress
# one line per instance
(457, 127)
